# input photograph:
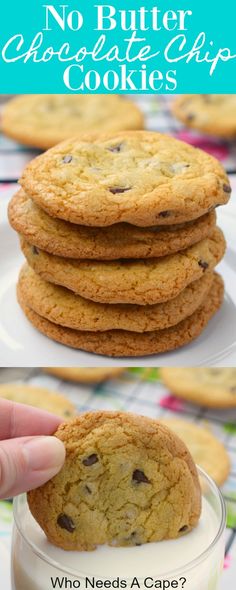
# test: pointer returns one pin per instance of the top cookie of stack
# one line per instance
(134, 194)
(138, 177)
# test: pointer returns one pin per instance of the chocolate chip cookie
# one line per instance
(127, 480)
(213, 388)
(39, 397)
(121, 343)
(212, 113)
(139, 177)
(61, 306)
(121, 240)
(207, 451)
(85, 374)
(142, 282)
(44, 120)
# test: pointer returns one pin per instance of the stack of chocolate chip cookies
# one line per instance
(119, 232)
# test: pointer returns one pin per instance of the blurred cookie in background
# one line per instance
(212, 388)
(214, 114)
(39, 397)
(207, 451)
(85, 374)
(43, 120)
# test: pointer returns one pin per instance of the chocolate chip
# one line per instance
(35, 250)
(227, 188)
(88, 490)
(90, 460)
(203, 264)
(190, 117)
(134, 538)
(183, 529)
(119, 189)
(115, 148)
(67, 159)
(164, 214)
(66, 522)
(139, 476)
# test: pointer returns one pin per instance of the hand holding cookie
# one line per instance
(29, 456)
(127, 480)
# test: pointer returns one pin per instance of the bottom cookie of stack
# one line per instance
(123, 342)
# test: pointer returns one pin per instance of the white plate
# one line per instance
(22, 345)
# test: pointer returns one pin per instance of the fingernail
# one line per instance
(44, 452)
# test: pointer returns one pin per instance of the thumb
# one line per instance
(28, 462)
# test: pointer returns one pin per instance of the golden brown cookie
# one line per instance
(60, 306)
(120, 343)
(207, 451)
(126, 480)
(85, 374)
(139, 177)
(212, 113)
(213, 388)
(42, 398)
(142, 282)
(121, 240)
(43, 120)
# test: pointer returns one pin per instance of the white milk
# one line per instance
(164, 561)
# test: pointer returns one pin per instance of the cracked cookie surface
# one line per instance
(39, 397)
(61, 306)
(44, 120)
(127, 480)
(142, 282)
(121, 240)
(121, 343)
(212, 113)
(213, 388)
(141, 177)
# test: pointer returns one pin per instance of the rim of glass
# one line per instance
(173, 573)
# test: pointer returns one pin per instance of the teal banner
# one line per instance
(124, 46)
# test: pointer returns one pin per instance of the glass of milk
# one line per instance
(192, 562)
